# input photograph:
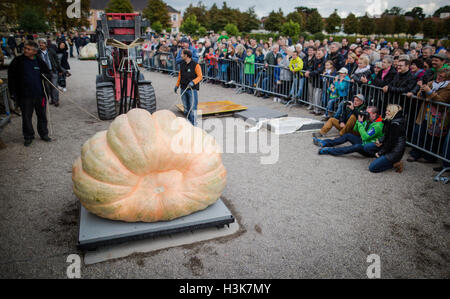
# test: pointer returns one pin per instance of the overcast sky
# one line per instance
(325, 7)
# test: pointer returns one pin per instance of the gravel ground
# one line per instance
(306, 216)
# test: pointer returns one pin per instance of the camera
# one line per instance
(348, 103)
(364, 113)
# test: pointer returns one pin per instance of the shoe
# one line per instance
(52, 103)
(312, 112)
(64, 89)
(325, 118)
(317, 135)
(317, 113)
(56, 104)
(412, 159)
(323, 151)
(398, 167)
(310, 107)
(275, 100)
(28, 142)
(46, 139)
(318, 142)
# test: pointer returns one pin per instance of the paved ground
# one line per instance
(307, 216)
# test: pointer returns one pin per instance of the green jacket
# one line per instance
(370, 132)
(249, 68)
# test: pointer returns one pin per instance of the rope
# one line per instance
(76, 105)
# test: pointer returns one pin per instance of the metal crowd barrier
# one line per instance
(4, 94)
(430, 136)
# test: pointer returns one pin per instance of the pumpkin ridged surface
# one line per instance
(148, 167)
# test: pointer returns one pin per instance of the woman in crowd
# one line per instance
(433, 119)
(392, 144)
(351, 64)
(328, 75)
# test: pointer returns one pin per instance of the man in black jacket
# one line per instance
(25, 83)
(335, 56)
(403, 81)
(51, 59)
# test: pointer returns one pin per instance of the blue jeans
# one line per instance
(297, 87)
(249, 79)
(356, 146)
(380, 164)
(190, 101)
(340, 109)
(330, 105)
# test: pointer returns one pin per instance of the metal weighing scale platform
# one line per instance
(95, 231)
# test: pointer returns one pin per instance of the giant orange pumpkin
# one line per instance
(148, 168)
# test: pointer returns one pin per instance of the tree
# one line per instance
(442, 9)
(414, 27)
(157, 27)
(155, 11)
(190, 25)
(416, 13)
(384, 25)
(400, 24)
(231, 30)
(274, 21)
(429, 28)
(123, 6)
(200, 11)
(32, 19)
(202, 31)
(250, 20)
(290, 29)
(57, 15)
(366, 25)
(333, 23)
(351, 24)
(213, 21)
(394, 11)
(314, 22)
(296, 17)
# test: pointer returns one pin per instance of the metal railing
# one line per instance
(4, 95)
(427, 121)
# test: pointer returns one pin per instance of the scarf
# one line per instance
(436, 86)
(359, 71)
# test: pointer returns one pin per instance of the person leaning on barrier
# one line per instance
(369, 127)
(347, 120)
(403, 81)
(25, 85)
(387, 73)
(433, 120)
(336, 56)
(392, 144)
(185, 44)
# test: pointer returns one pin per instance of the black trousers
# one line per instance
(28, 105)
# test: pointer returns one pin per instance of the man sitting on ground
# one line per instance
(370, 129)
(347, 119)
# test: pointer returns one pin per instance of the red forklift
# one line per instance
(120, 86)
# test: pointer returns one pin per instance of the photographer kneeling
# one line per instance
(393, 142)
(370, 128)
(346, 122)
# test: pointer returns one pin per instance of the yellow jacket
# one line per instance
(296, 65)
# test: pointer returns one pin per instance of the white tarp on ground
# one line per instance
(287, 125)
(89, 51)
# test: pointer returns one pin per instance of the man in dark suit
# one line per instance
(25, 83)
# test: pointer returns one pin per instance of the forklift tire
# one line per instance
(106, 103)
(147, 98)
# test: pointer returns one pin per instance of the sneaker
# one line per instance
(46, 139)
(317, 135)
(275, 99)
(310, 107)
(324, 151)
(56, 104)
(64, 89)
(318, 142)
(28, 142)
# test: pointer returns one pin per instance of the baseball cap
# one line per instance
(343, 70)
(361, 97)
(185, 40)
(440, 56)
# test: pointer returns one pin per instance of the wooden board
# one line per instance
(211, 108)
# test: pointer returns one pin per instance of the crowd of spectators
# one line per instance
(327, 75)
